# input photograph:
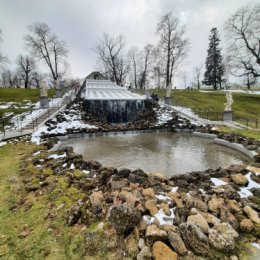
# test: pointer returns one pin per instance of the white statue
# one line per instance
(43, 88)
(229, 101)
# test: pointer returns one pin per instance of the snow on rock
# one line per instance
(255, 170)
(148, 219)
(217, 182)
(164, 219)
(174, 189)
(163, 114)
(162, 197)
(67, 119)
(256, 245)
(72, 167)
(86, 172)
(37, 153)
(245, 191)
(202, 191)
(3, 143)
(56, 156)
(186, 111)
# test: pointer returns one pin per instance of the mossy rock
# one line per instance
(79, 174)
(63, 183)
(48, 172)
(256, 231)
(98, 244)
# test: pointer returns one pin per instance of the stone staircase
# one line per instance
(36, 122)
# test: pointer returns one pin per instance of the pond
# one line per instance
(165, 152)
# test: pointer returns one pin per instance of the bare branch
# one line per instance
(46, 45)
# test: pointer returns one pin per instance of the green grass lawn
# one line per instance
(48, 239)
(246, 133)
(32, 227)
(21, 94)
(211, 104)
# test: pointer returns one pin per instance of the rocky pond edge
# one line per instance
(199, 215)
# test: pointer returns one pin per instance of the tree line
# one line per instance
(42, 44)
(158, 63)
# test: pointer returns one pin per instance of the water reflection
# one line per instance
(169, 153)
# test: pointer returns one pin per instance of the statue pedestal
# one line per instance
(228, 116)
(168, 101)
(44, 102)
(66, 90)
(67, 100)
(58, 92)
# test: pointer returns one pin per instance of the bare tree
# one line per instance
(249, 80)
(158, 70)
(146, 60)
(36, 79)
(46, 45)
(198, 74)
(9, 78)
(3, 59)
(183, 75)
(243, 34)
(173, 46)
(133, 56)
(26, 67)
(110, 51)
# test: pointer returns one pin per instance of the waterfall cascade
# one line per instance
(110, 102)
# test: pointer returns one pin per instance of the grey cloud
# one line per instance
(82, 22)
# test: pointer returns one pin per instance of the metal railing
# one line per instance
(34, 117)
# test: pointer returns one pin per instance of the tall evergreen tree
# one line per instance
(214, 67)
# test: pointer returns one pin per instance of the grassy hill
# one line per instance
(211, 104)
(21, 94)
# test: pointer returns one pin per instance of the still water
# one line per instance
(165, 152)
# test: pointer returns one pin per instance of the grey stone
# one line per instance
(194, 238)
(177, 243)
(123, 218)
(145, 254)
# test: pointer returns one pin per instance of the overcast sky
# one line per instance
(80, 23)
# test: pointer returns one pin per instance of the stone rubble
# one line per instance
(155, 217)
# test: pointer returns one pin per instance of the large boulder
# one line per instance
(133, 178)
(177, 199)
(118, 185)
(130, 197)
(252, 214)
(153, 233)
(131, 243)
(227, 216)
(239, 179)
(177, 243)
(151, 206)
(194, 238)
(246, 225)
(237, 168)
(222, 237)
(96, 200)
(123, 218)
(163, 252)
(215, 204)
(124, 173)
(149, 192)
(234, 206)
(211, 219)
(145, 254)
(200, 221)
